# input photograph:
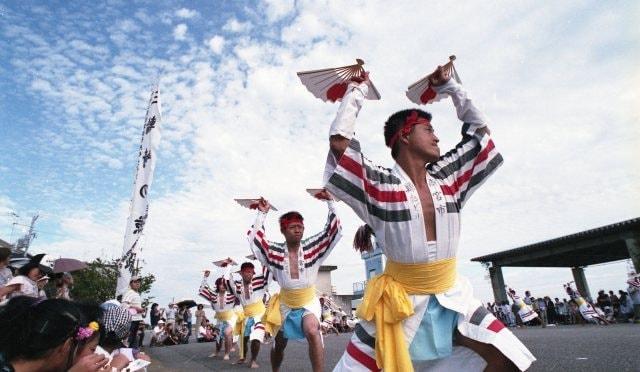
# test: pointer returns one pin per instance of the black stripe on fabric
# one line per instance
(380, 176)
(322, 236)
(354, 145)
(321, 254)
(358, 194)
(450, 168)
(453, 208)
(276, 248)
(364, 337)
(478, 315)
(480, 176)
(258, 287)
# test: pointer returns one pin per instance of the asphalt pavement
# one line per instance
(562, 348)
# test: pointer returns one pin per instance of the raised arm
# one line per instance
(206, 291)
(258, 242)
(343, 126)
(317, 247)
(474, 159)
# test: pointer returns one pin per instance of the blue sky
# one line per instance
(557, 80)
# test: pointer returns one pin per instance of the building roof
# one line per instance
(589, 247)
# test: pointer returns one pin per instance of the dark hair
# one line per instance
(396, 122)
(292, 214)
(31, 328)
(246, 265)
(24, 270)
(4, 253)
(200, 306)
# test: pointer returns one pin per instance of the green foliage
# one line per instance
(97, 283)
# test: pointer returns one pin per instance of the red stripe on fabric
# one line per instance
(259, 326)
(361, 357)
(495, 326)
(325, 242)
(466, 176)
(383, 196)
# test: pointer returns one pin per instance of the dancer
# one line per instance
(525, 312)
(222, 301)
(586, 309)
(250, 291)
(294, 313)
(419, 305)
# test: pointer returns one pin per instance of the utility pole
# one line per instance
(23, 243)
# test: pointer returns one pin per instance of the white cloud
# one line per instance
(277, 9)
(186, 13)
(233, 25)
(180, 31)
(216, 44)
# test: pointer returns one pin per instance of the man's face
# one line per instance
(423, 143)
(221, 287)
(135, 285)
(293, 232)
(247, 275)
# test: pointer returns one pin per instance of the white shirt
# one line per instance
(27, 287)
(130, 299)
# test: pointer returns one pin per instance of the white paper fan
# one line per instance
(330, 84)
(421, 91)
(226, 262)
(252, 203)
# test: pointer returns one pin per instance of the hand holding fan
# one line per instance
(253, 203)
(226, 262)
(320, 194)
(330, 84)
(422, 92)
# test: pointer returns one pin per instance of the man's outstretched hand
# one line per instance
(323, 195)
(263, 205)
(439, 76)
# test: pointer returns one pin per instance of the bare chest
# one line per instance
(428, 211)
(293, 267)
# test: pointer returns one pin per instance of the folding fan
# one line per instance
(421, 91)
(226, 262)
(317, 193)
(330, 84)
(252, 203)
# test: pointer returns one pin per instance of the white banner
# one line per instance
(139, 202)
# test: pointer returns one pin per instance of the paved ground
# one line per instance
(569, 348)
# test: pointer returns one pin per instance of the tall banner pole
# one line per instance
(139, 210)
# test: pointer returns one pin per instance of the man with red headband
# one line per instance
(294, 313)
(222, 302)
(419, 308)
(250, 291)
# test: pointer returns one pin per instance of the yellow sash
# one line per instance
(386, 300)
(224, 315)
(250, 310)
(293, 298)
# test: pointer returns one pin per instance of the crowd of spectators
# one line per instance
(623, 307)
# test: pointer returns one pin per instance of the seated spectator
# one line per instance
(27, 279)
(158, 333)
(47, 335)
(205, 331)
(117, 324)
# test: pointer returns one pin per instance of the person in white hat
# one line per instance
(132, 300)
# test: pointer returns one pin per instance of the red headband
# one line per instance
(289, 220)
(409, 122)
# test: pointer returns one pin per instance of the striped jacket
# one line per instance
(387, 200)
(312, 253)
(213, 297)
(257, 289)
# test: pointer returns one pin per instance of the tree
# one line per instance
(97, 283)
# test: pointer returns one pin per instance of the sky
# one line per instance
(557, 80)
